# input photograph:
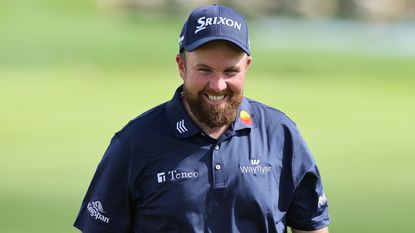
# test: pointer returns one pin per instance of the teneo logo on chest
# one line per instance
(204, 22)
(176, 175)
(255, 167)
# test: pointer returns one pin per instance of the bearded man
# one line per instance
(210, 159)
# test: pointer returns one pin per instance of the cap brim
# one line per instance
(196, 44)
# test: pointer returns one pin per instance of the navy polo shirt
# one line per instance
(161, 173)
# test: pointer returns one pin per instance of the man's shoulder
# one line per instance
(146, 123)
(268, 114)
(152, 115)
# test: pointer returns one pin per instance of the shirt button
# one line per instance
(217, 167)
(217, 147)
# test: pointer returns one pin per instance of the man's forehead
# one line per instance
(221, 64)
(216, 55)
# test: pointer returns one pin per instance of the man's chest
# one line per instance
(189, 177)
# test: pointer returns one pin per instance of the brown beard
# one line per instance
(211, 115)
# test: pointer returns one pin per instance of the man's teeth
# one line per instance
(216, 97)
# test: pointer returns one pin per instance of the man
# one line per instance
(209, 160)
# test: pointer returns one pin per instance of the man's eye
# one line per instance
(204, 70)
(231, 72)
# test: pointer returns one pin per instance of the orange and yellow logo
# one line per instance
(245, 117)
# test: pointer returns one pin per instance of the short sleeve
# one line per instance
(308, 210)
(106, 207)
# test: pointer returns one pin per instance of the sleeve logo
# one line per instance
(97, 211)
(322, 200)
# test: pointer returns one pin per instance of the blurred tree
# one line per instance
(381, 10)
(346, 8)
(317, 8)
(410, 9)
(259, 7)
(364, 9)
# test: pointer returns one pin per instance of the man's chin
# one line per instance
(217, 106)
(213, 113)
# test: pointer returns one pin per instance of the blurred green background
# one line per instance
(72, 73)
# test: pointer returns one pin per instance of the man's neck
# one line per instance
(213, 132)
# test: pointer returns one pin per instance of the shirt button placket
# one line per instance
(218, 174)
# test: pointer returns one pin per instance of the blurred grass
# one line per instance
(71, 75)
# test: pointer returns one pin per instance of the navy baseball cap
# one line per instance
(214, 22)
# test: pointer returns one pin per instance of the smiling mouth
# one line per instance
(215, 98)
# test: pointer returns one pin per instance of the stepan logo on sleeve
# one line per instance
(97, 211)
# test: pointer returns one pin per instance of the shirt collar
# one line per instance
(183, 126)
(181, 123)
(245, 119)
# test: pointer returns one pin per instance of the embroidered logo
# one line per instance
(161, 177)
(255, 167)
(181, 127)
(181, 40)
(97, 211)
(255, 161)
(322, 200)
(204, 22)
(245, 117)
(176, 175)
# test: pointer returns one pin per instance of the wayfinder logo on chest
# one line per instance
(255, 167)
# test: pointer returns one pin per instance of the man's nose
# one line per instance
(218, 83)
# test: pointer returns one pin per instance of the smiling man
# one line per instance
(209, 160)
(213, 78)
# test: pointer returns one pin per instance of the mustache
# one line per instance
(211, 92)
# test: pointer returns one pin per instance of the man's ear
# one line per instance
(180, 60)
(248, 61)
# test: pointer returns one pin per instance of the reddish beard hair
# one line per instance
(212, 115)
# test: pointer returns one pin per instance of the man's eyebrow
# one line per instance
(234, 67)
(203, 66)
